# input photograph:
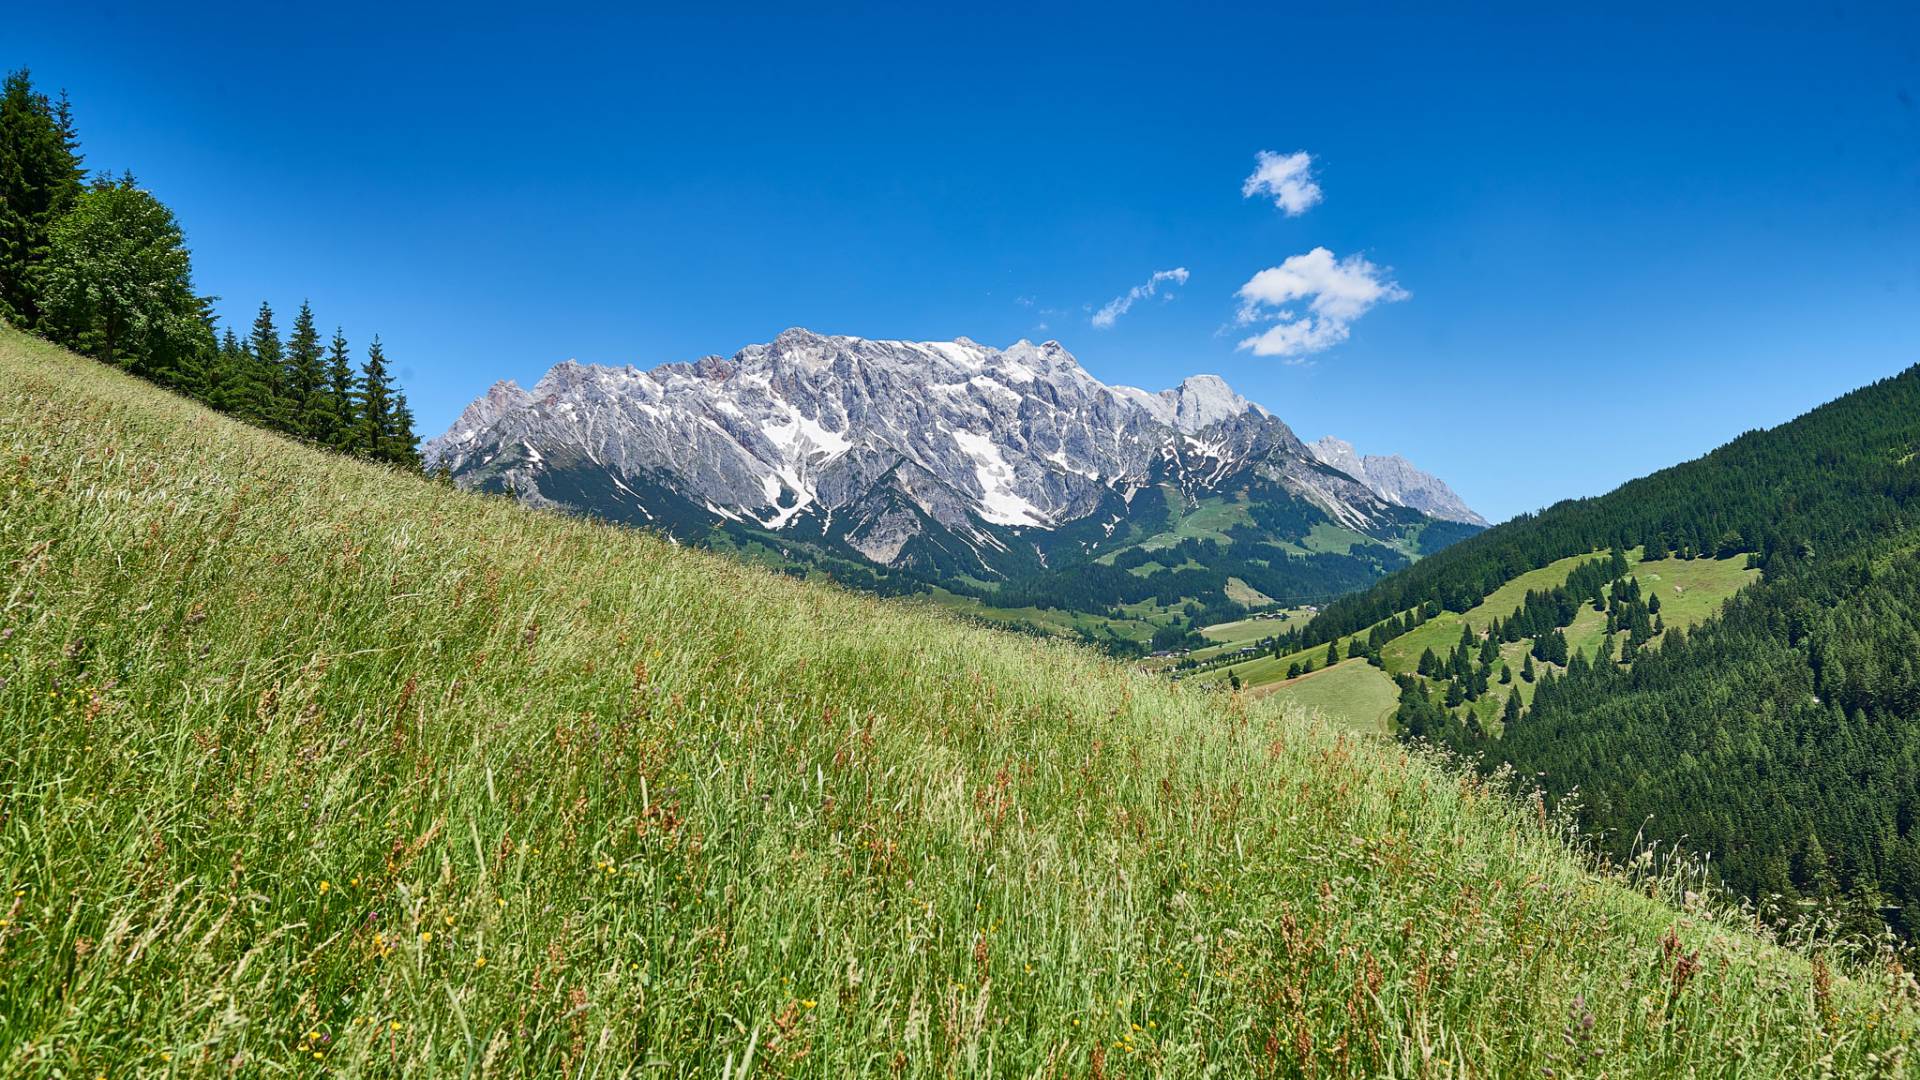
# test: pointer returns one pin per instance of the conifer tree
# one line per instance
(219, 386)
(73, 165)
(374, 402)
(259, 399)
(305, 379)
(40, 178)
(402, 444)
(386, 423)
(342, 418)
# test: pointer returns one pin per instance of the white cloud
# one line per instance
(1286, 177)
(1116, 307)
(1335, 291)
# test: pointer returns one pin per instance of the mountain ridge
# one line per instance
(1397, 480)
(901, 439)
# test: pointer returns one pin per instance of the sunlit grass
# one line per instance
(312, 767)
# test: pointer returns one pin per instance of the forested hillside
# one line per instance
(1781, 736)
(1841, 474)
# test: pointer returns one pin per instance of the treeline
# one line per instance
(102, 268)
(1833, 477)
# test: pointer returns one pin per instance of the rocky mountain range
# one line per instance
(940, 459)
(1397, 480)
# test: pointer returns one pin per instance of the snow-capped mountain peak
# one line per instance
(1397, 480)
(873, 441)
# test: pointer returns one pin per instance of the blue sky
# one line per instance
(1600, 245)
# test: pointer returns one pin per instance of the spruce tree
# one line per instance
(373, 402)
(69, 135)
(40, 177)
(386, 423)
(227, 387)
(342, 417)
(402, 444)
(260, 398)
(305, 379)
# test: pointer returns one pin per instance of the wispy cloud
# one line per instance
(1336, 292)
(1288, 178)
(1119, 305)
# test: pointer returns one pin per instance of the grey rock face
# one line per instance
(861, 438)
(1397, 480)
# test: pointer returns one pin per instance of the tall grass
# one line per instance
(310, 767)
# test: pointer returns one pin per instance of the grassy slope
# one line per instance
(1048, 620)
(1241, 631)
(304, 756)
(1352, 692)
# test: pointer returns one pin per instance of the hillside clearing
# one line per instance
(1352, 692)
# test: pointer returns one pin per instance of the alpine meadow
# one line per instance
(295, 787)
(1236, 541)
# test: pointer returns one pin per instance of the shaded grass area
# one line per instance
(312, 767)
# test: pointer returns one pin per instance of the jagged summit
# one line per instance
(875, 442)
(1397, 480)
